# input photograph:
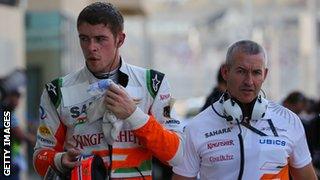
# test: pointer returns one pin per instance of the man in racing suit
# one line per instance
(243, 135)
(66, 129)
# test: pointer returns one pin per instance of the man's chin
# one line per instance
(94, 70)
(247, 98)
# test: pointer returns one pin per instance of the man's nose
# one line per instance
(92, 46)
(248, 79)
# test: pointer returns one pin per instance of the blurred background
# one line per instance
(185, 39)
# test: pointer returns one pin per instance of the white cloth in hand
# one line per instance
(111, 125)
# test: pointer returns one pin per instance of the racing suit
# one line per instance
(269, 146)
(64, 125)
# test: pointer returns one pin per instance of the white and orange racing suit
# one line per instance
(64, 125)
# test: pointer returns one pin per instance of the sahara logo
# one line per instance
(217, 132)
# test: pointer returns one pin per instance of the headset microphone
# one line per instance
(228, 118)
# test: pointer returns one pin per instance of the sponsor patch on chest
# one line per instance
(217, 132)
(219, 143)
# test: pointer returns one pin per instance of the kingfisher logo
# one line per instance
(272, 142)
(219, 143)
(127, 136)
(87, 139)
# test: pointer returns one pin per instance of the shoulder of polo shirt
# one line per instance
(154, 80)
(54, 91)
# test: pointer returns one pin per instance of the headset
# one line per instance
(233, 113)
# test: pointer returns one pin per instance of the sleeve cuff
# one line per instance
(302, 163)
(57, 162)
(137, 119)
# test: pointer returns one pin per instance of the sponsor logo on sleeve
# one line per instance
(43, 114)
(52, 88)
(44, 140)
(44, 130)
(155, 83)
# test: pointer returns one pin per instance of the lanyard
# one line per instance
(255, 130)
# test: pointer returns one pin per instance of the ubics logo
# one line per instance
(272, 142)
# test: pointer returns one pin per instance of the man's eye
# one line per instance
(101, 39)
(240, 71)
(83, 39)
(257, 72)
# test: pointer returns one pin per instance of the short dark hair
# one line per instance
(102, 13)
(245, 46)
(295, 97)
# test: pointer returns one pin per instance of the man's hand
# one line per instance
(69, 159)
(119, 102)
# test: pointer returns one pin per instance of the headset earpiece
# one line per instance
(259, 108)
(233, 112)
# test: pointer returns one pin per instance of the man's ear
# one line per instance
(224, 72)
(265, 73)
(121, 38)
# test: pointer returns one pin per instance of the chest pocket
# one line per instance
(274, 152)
